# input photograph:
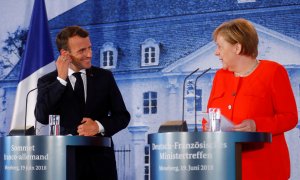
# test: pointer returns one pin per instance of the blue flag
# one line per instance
(38, 59)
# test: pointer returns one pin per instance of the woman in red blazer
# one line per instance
(256, 95)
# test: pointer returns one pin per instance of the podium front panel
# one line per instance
(40, 157)
(198, 155)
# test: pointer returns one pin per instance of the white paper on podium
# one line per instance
(226, 124)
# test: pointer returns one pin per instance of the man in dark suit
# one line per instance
(86, 98)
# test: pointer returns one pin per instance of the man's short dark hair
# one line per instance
(68, 32)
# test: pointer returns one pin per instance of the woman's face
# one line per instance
(227, 53)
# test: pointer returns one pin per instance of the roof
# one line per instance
(181, 27)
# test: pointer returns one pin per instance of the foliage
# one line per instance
(15, 43)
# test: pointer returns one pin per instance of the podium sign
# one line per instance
(199, 155)
(40, 157)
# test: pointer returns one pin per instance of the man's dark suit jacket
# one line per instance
(103, 103)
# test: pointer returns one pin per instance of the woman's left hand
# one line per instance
(247, 125)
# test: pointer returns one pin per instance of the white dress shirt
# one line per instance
(72, 81)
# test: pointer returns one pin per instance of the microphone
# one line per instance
(183, 93)
(25, 131)
(26, 104)
(180, 125)
(204, 72)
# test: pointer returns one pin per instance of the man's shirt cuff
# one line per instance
(62, 81)
(101, 128)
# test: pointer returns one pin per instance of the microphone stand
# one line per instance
(26, 108)
(204, 72)
(183, 92)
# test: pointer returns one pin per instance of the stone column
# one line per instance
(138, 131)
(174, 105)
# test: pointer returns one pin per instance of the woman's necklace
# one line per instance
(236, 74)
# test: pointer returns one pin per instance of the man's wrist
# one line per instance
(62, 81)
(101, 128)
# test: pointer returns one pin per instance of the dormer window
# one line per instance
(108, 56)
(150, 53)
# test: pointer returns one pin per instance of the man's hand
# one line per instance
(88, 127)
(247, 125)
(62, 65)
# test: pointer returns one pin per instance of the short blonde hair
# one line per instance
(239, 31)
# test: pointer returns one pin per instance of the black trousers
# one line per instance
(91, 162)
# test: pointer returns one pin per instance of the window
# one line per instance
(150, 53)
(108, 56)
(190, 96)
(198, 99)
(2, 100)
(150, 102)
(147, 163)
(194, 101)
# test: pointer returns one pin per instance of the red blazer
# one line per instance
(266, 97)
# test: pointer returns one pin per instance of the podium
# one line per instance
(199, 155)
(42, 157)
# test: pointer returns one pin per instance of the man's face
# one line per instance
(80, 51)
